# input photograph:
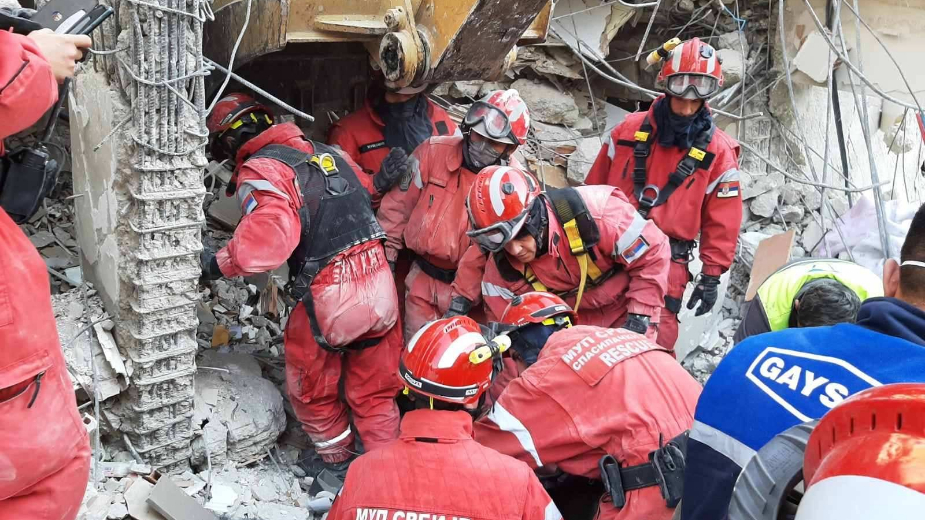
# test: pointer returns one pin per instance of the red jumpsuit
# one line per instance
(44, 448)
(710, 204)
(360, 134)
(595, 391)
(354, 299)
(635, 247)
(431, 220)
(435, 471)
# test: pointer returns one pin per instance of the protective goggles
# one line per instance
(497, 125)
(494, 237)
(691, 86)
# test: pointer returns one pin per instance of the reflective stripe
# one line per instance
(459, 345)
(416, 170)
(552, 512)
(611, 149)
(262, 185)
(511, 424)
(335, 440)
(730, 175)
(629, 236)
(490, 289)
(731, 448)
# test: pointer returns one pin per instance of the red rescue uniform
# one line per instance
(592, 392)
(355, 300)
(439, 473)
(44, 447)
(633, 248)
(708, 204)
(360, 134)
(430, 219)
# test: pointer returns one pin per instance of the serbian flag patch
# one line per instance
(727, 190)
(249, 204)
(635, 250)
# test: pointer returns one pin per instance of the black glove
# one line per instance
(209, 264)
(706, 292)
(20, 12)
(394, 166)
(459, 306)
(638, 323)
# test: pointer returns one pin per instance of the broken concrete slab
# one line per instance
(222, 500)
(171, 502)
(581, 160)
(42, 239)
(466, 89)
(270, 511)
(117, 511)
(814, 58)
(136, 500)
(731, 40)
(547, 103)
(811, 236)
(764, 205)
(733, 65)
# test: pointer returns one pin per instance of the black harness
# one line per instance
(651, 196)
(335, 215)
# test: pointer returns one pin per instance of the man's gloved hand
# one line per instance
(209, 264)
(459, 306)
(394, 166)
(638, 323)
(706, 292)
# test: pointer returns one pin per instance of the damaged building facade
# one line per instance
(143, 210)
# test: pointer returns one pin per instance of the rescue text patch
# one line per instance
(372, 146)
(806, 385)
(595, 355)
(365, 513)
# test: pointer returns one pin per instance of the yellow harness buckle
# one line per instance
(697, 153)
(326, 162)
(641, 136)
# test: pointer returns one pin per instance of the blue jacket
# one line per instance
(773, 381)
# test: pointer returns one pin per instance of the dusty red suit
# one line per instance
(435, 471)
(637, 287)
(709, 205)
(360, 134)
(44, 448)
(354, 299)
(430, 219)
(595, 391)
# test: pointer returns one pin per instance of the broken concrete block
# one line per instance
(811, 236)
(136, 500)
(226, 211)
(466, 89)
(731, 40)
(490, 86)
(117, 511)
(42, 239)
(268, 511)
(169, 500)
(733, 66)
(547, 103)
(686, 6)
(265, 491)
(223, 498)
(792, 213)
(791, 193)
(764, 205)
(581, 160)
(814, 58)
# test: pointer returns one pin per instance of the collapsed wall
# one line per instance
(137, 163)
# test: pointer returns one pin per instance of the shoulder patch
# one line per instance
(442, 128)
(727, 190)
(635, 250)
(249, 203)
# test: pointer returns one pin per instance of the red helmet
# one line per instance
(537, 307)
(691, 71)
(232, 108)
(449, 360)
(501, 115)
(498, 203)
(866, 457)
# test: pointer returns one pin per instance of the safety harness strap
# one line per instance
(651, 196)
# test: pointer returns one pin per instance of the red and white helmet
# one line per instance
(449, 360)
(866, 458)
(538, 307)
(498, 203)
(231, 109)
(691, 71)
(501, 115)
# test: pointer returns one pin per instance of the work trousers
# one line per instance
(678, 278)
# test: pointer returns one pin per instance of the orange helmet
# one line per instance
(691, 71)
(449, 360)
(232, 108)
(866, 458)
(498, 203)
(501, 115)
(537, 307)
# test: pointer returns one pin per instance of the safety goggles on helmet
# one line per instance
(494, 237)
(496, 123)
(691, 86)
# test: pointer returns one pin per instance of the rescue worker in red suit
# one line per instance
(593, 403)
(304, 202)
(390, 125)
(681, 172)
(587, 243)
(44, 447)
(435, 471)
(427, 213)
